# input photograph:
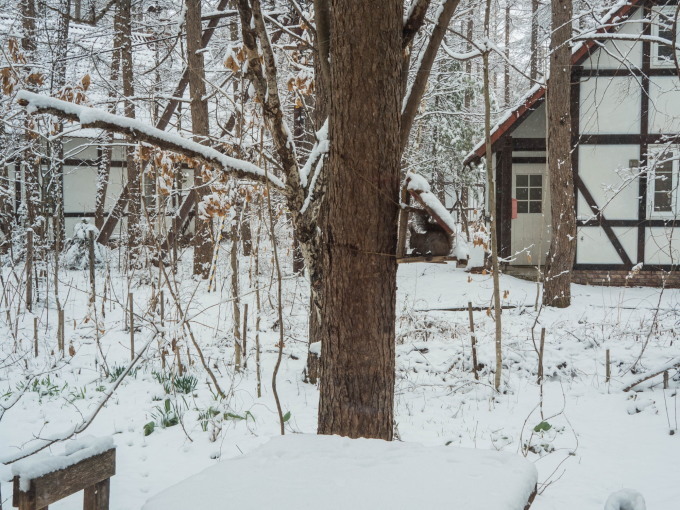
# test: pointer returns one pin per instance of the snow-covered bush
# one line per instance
(76, 253)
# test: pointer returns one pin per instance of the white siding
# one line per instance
(533, 126)
(618, 54)
(594, 246)
(610, 105)
(664, 104)
(604, 170)
(662, 246)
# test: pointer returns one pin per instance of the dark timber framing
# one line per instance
(504, 144)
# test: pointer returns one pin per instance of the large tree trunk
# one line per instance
(557, 286)
(359, 281)
(203, 245)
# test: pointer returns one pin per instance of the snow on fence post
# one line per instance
(87, 465)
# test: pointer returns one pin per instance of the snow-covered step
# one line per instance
(312, 472)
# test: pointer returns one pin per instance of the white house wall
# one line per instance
(664, 104)
(533, 126)
(594, 246)
(662, 246)
(618, 53)
(614, 190)
(610, 105)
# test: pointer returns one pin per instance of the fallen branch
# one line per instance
(673, 363)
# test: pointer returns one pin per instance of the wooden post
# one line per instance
(473, 341)
(131, 306)
(607, 367)
(665, 379)
(245, 332)
(96, 497)
(29, 270)
(60, 330)
(91, 263)
(35, 336)
(540, 357)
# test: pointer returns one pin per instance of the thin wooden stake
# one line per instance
(540, 357)
(245, 333)
(665, 378)
(91, 263)
(608, 372)
(131, 322)
(29, 270)
(35, 336)
(60, 330)
(473, 341)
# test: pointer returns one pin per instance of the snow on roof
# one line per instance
(305, 472)
(606, 24)
(418, 183)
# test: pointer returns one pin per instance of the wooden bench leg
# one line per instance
(97, 496)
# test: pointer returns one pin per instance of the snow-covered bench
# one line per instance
(313, 472)
(86, 464)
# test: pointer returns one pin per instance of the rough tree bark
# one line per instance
(203, 245)
(557, 286)
(533, 65)
(359, 284)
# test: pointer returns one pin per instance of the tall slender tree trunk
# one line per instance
(359, 254)
(134, 227)
(200, 126)
(506, 64)
(57, 161)
(533, 64)
(31, 161)
(557, 286)
(491, 190)
(106, 148)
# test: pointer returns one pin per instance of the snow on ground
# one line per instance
(587, 438)
(334, 472)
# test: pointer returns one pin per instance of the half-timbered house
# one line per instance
(625, 106)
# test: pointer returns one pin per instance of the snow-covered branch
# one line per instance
(140, 131)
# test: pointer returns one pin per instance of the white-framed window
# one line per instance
(662, 26)
(662, 182)
(529, 193)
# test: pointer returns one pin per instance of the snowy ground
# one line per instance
(598, 438)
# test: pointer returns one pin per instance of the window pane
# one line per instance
(534, 207)
(522, 207)
(536, 193)
(665, 50)
(536, 181)
(522, 193)
(663, 202)
(522, 180)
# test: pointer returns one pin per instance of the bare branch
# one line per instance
(142, 132)
(415, 93)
